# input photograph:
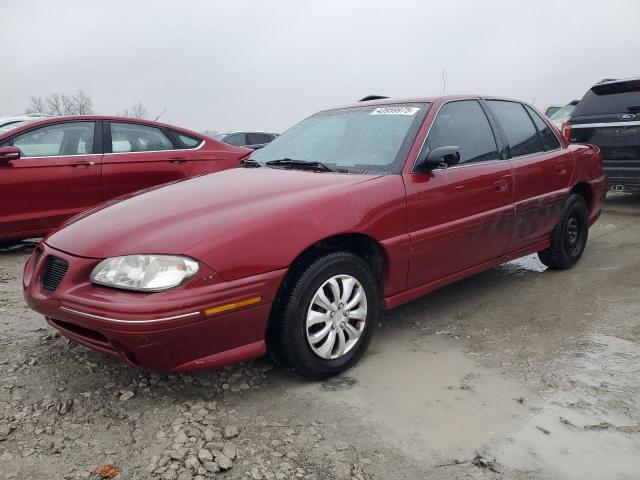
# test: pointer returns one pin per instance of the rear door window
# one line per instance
(132, 137)
(549, 140)
(465, 125)
(614, 98)
(517, 126)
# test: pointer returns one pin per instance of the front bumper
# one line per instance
(167, 331)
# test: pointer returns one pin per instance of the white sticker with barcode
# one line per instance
(395, 111)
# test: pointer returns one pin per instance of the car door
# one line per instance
(139, 156)
(461, 216)
(542, 171)
(57, 176)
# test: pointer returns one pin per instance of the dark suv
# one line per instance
(609, 116)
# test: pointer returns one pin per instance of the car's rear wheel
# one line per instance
(325, 316)
(569, 237)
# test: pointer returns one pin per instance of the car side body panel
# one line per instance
(37, 194)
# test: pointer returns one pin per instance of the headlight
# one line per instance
(146, 273)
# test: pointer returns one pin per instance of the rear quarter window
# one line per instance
(521, 134)
(189, 142)
(549, 140)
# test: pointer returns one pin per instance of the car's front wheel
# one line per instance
(326, 315)
(569, 237)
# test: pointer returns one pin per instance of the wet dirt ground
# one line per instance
(515, 373)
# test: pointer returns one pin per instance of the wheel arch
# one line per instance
(362, 245)
(584, 189)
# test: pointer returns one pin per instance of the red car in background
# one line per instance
(52, 169)
(354, 209)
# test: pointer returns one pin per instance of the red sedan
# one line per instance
(352, 210)
(55, 168)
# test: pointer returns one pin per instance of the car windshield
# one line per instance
(10, 126)
(368, 139)
(564, 113)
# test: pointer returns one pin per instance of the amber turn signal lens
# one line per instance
(232, 306)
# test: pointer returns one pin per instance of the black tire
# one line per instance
(569, 237)
(4, 244)
(287, 336)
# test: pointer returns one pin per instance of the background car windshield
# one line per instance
(359, 139)
(564, 113)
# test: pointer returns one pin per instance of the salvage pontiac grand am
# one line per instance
(352, 210)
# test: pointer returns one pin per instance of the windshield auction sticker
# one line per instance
(395, 111)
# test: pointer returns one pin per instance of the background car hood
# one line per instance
(178, 216)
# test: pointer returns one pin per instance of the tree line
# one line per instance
(62, 104)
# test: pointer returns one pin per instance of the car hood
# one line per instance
(174, 218)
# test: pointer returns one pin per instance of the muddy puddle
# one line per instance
(426, 397)
(590, 427)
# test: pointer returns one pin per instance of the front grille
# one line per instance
(53, 273)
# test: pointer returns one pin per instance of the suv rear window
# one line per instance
(619, 97)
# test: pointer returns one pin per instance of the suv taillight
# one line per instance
(566, 131)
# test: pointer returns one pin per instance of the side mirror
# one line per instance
(7, 154)
(439, 157)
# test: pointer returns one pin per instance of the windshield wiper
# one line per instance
(249, 163)
(291, 163)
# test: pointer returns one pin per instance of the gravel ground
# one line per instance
(515, 373)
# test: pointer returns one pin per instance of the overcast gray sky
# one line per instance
(234, 65)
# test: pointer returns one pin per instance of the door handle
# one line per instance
(501, 185)
(178, 160)
(561, 170)
(83, 164)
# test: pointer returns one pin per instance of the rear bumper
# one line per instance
(625, 173)
(168, 331)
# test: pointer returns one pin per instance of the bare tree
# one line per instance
(82, 103)
(37, 105)
(139, 111)
(62, 104)
(54, 104)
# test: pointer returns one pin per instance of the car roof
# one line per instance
(47, 120)
(21, 118)
(245, 131)
(612, 81)
(434, 99)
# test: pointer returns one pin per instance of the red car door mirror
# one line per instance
(7, 154)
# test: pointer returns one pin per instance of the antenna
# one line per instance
(444, 83)
(161, 113)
